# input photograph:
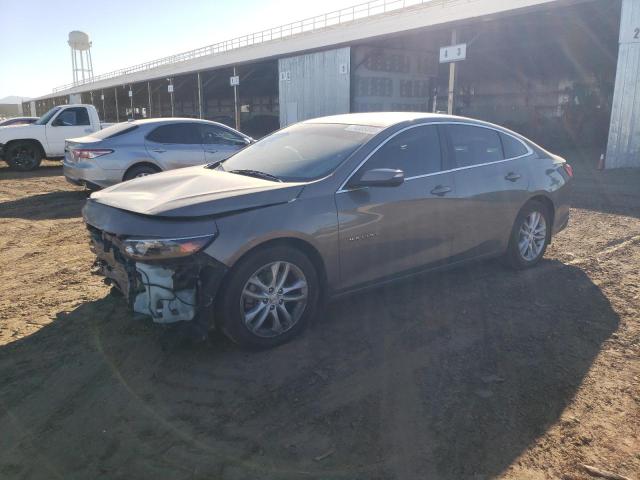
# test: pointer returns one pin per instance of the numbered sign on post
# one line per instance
(170, 88)
(234, 81)
(631, 34)
(453, 53)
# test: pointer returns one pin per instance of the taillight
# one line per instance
(569, 169)
(88, 154)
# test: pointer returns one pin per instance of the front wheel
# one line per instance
(530, 236)
(269, 298)
(23, 156)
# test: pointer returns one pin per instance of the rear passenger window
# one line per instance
(181, 133)
(415, 151)
(213, 135)
(474, 145)
(512, 148)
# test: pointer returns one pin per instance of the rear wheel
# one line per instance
(23, 156)
(530, 236)
(269, 298)
(138, 171)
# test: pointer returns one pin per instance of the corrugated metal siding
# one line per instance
(314, 85)
(391, 79)
(624, 134)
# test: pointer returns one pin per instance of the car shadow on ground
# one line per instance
(448, 376)
(49, 168)
(45, 206)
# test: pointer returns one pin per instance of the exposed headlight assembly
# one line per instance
(164, 248)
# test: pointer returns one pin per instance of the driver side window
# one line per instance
(415, 151)
(72, 117)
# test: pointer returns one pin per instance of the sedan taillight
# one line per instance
(88, 154)
(569, 169)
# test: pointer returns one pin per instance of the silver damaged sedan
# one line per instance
(253, 244)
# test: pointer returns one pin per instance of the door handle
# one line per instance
(212, 151)
(441, 190)
(87, 130)
(158, 150)
(513, 177)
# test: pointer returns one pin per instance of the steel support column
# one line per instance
(115, 92)
(452, 76)
(199, 96)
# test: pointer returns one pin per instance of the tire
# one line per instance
(140, 171)
(518, 256)
(23, 156)
(234, 305)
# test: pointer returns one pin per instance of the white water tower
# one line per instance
(81, 63)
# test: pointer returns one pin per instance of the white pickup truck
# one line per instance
(23, 147)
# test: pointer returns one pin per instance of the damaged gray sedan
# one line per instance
(251, 245)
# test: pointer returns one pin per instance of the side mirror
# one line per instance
(379, 177)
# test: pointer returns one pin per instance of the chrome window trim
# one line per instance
(342, 188)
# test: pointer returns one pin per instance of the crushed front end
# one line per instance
(166, 277)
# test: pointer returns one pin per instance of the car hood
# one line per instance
(9, 132)
(195, 192)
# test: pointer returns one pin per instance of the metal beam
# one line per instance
(115, 91)
(452, 76)
(199, 96)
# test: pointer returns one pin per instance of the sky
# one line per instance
(35, 57)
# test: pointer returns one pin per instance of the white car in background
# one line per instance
(24, 147)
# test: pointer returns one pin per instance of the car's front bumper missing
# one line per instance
(179, 290)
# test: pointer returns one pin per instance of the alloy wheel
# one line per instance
(273, 299)
(532, 236)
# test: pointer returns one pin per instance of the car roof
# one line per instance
(388, 119)
(146, 121)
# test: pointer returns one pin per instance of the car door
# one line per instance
(70, 122)
(385, 231)
(175, 145)
(489, 189)
(219, 143)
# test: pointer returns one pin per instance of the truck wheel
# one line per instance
(23, 156)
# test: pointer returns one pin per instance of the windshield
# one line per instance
(302, 152)
(43, 120)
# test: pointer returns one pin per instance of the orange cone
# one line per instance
(601, 162)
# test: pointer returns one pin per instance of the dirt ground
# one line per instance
(476, 373)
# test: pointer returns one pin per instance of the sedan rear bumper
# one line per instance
(89, 174)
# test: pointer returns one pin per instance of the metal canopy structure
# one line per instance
(367, 20)
(545, 68)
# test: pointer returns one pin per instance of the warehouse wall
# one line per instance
(393, 79)
(314, 85)
(623, 149)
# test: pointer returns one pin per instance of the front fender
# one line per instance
(312, 221)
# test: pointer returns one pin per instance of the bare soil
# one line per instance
(475, 373)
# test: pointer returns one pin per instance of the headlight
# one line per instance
(161, 248)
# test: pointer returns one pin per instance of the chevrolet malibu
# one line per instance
(251, 245)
